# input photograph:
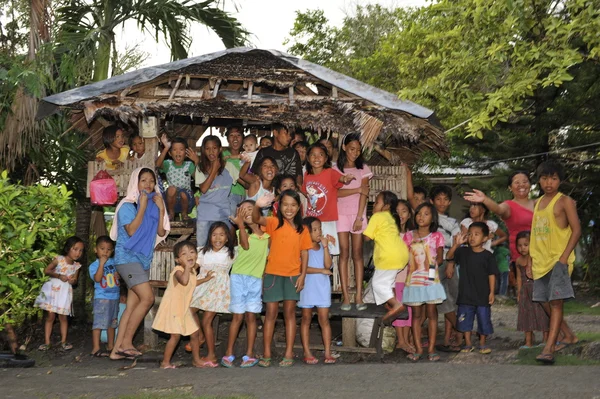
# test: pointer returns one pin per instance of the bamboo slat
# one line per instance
(392, 178)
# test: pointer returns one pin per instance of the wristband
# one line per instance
(449, 259)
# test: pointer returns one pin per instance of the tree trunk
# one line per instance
(83, 216)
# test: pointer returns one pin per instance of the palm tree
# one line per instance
(91, 24)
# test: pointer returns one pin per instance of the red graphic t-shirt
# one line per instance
(321, 191)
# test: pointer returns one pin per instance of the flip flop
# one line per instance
(44, 347)
(433, 357)
(561, 345)
(447, 348)
(100, 353)
(264, 362)
(66, 346)
(285, 362)
(485, 350)
(128, 353)
(227, 361)
(248, 361)
(208, 365)
(545, 358)
(329, 360)
(415, 357)
(170, 366)
(524, 347)
(310, 360)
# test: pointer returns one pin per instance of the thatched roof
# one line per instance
(254, 87)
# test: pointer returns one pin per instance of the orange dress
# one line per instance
(174, 315)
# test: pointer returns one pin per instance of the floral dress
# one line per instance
(214, 295)
(57, 295)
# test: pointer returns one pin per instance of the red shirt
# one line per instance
(322, 191)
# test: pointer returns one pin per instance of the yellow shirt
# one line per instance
(548, 241)
(109, 162)
(390, 252)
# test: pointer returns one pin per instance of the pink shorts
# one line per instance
(345, 223)
(402, 323)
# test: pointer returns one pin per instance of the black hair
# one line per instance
(396, 215)
(441, 189)
(251, 136)
(483, 226)
(420, 190)
(522, 234)
(230, 243)
(297, 133)
(247, 201)
(279, 127)
(297, 217)
(270, 138)
(233, 128)
(308, 221)
(109, 134)
(180, 140)
(177, 248)
(342, 157)
(147, 170)
(279, 180)
(204, 164)
(133, 137)
(315, 146)
(391, 199)
(300, 144)
(70, 243)
(104, 239)
(435, 223)
(260, 163)
(551, 168)
(518, 172)
(486, 210)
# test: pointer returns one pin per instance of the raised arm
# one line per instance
(245, 176)
(459, 239)
(410, 192)
(239, 218)
(166, 146)
(477, 196)
(213, 173)
(262, 202)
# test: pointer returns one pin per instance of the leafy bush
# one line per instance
(34, 222)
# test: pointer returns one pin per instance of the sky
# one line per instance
(269, 21)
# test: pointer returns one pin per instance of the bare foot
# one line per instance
(394, 312)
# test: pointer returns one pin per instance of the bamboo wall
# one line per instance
(392, 178)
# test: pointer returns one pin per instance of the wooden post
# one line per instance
(291, 94)
(250, 88)
(349, 327)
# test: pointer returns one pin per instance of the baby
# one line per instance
(250, 146)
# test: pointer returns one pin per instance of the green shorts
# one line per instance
(280, 288)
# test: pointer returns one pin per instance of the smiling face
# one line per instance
(138, 146)
(315, 231)
(187, 256)
(419, 256)
(119, 140)
(247, 207)
(218, 239)
(289, 208)
(268, 170)
(146, 182)
(317, 158)
(177, 152)
(211, 150)
(75, 251)
(352, 149)
(423, 218)
(403, 212)
(550, 184)
(287, 184)
(250, 144)
(476, 238)
(520, 186)
(103, 249)
(523, 246)
(234, 139)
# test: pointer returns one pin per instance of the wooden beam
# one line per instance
(216, 88)
(250, 87)
(176, 87)
(291, 95)
(334, 92)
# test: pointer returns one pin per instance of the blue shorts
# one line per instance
(466, 316)
(106, 313)
(187, 193)
(245, 294)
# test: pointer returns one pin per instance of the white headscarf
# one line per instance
(132, 197)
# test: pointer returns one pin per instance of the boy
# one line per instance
(250, 146)
(288, 160)
(179, 173)
(555, 230)
(266, 141)
(476, 284)
(441, 197)
(301, 147)
(106, 295)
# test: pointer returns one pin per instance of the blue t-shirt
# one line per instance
(125, 216)
(108, 288)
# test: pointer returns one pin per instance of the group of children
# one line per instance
(276, 247)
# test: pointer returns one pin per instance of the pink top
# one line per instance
(349, 205)
(520, 220)
(433, 240)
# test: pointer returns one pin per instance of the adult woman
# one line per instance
(140, 223)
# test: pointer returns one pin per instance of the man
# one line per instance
(288, 160)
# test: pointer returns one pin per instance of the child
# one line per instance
(106, 295)
(441, 197)
(282, 183)
(502, 254)
(217, 255)
(214, 182)
(286, 268)
(250, 146)
(555, 232)
(532, 316)
(174, 315)
(321, 183)
(478, 212)
(115, 151)
(390, 255)
(301, 147)
(477, 281)
(352, 215)
(423, 287)
(57, 293)
(316, 292)
(415, 195)
(233, 164)
(404, 215)
(262, 182)
(329, 145)
(179, 196)
(266, 141)
(138, 147)
(246, 283)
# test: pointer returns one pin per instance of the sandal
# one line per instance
(170, 366)
(433, 357)
(345, 307)
(466, 349)
(44, 347)
(485, 350)
(524, 347)
(545, 358)
(310, 360)
(414, 357)
(329, 360)
(285, 362)
(66, 346)
(99, 353)
(131, 352)
(227, 361)
(248, 361)
(208, 365)
(264, 362)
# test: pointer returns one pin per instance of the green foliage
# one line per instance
(34, 221)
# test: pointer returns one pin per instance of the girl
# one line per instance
(321, 183)
(330, 146)
(352, 215)
(423, 285)
(404, 216)
(217, 255)
(214, 182)
(140, 224)
(246, 283)
(57, 293)
(286, 182)
(138, 147)
(532, 316)
(174, 316)
(316, 292)
(263, 182)
(390, 255)
(478, 212)
(286, 268)
(115, 151)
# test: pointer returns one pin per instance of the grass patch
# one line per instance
(574, 307)
(588, 336)
(527, 357)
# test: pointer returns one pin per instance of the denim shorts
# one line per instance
(466, 316)
(106, 313)
(555, 285)
(246, 292)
